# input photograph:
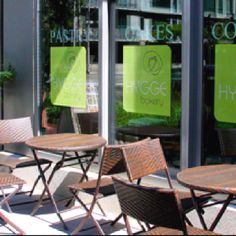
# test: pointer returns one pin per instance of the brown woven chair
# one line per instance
(19, 130)
(148, 158)
(8, 180)
(112, 163)
(159, 207)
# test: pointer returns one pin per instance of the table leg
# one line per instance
(218, 217)
(46, 186)
(93, 155)
(82, 166)
(37, 180)
(84, 173)
(198, 209)
(220, 214)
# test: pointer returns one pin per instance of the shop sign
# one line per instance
(68, 76)
(147, 79)
(224, 30)
(160, 32)
(62, 35)
(225, 83)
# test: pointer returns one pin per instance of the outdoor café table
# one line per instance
(82, 145)
(168, 135)
(214, 179)
(153, 131)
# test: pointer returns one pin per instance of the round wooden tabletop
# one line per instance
(213, 179)
(66, 142)
(153, 131)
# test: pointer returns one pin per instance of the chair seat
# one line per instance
(7, 179)
(168, 231)
(187, 202)
(106, 186)
(24, 162)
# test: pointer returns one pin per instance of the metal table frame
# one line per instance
(81, 157)
(210, 191)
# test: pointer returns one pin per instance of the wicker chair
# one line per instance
(227, 140)
(148, 158)
(13, 131)
(8, 180)
(112, 163)
(159, 207)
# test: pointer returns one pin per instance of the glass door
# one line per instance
(147, 73)
(69, 79)
(219, 82)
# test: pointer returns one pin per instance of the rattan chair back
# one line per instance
(19, 130)
(15, 130)
(158, 207)
(144, 159)
(112, 163)
(113, 160)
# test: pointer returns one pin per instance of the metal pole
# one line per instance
(87, 23)
(1, 59)
(38, 75)
(112, 72)
(192, 83)
(1, 53)
(103, 69)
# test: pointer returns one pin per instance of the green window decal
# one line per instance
(147, 80)
(68, 76)
(225, 83)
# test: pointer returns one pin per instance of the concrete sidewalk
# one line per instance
(47, 221)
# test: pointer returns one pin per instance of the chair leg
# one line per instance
(81, 225)
(120, 216)
(86, 218)
(12, 224)
(7, 204)
(127, 224)
(100, 207)
(9, 196)
(188, 221)
(116, 220)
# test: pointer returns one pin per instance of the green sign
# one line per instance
(225, 83)
(147, 79)
(68, 76)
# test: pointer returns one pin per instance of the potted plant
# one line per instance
(50, 115)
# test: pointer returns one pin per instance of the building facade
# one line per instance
(152, 63)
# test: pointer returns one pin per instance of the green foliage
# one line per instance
(174, 119)
(224, 125)
(177, 30)
(7, 74)
(123, 117)
(53, 112)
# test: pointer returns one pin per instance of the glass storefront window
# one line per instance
(209, 5)
(229, 7)
(148, 72)
(70, 27)
(219, 107)
(220, 7)
(160, 3)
